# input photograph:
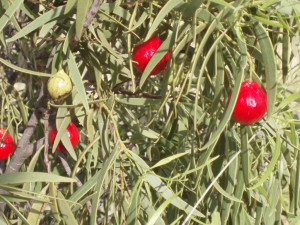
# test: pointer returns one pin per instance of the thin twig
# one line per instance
(137, 94)
(46, 134)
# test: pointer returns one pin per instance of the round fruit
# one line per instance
(142, 53)
(59, 86)
(7, 146)
(72, 133)
(251, 103)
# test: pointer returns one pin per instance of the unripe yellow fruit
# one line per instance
(59, 86)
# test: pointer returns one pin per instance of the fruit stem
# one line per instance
(250, 68)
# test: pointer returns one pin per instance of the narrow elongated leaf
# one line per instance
(6, 4)
(160, 210)
(222, 2)
(229, 196)
(288, 100)
(134, 206)
(36, 209)
(159, 54)
(161, 188)
(17, 68)
(269, 64)
(28, 12)
(46, 29)
(235, 92)
(76, 78)
(40, 21)
(161, 15)
(11, 90)
(70, 4)
(9, 13)
(82, 9)
(168, 160)
(62, 122)
(139, 101)
(15, 210)
(272, 164)
(54, 204)
(239, 188)
(245, 155)
(100, 179)
(148, 207)
(65, 210)
(23, 177)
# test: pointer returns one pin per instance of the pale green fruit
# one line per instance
(59, 86)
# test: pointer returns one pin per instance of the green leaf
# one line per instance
(69, 6)
(6, 4)
(46, 28)
(161, 15)
(34, 217)
(267, 21)
(68, 38)
(54, 204)
(14, 67)
(100, 179)
(82, 9)
(225, 193)
(15, 210)
(20, 102)
(65, 210)
(269, 64)
(9, 13)
(223, 3)
(62, 122)
(28, 12)
(148, 207)
(40, 21)
(160, 209)
(76, 78)
(155, 59)
(265, 175)
(134, 204)
(162, 189)
(138, 101)
(288, 100)
(235, 92)
(168, 160)
(24, 177)
(190, 8)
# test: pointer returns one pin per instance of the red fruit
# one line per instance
(142, 53)
(251, 103)
(72, 133)
(7, 146)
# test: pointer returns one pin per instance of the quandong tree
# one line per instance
(161, 112)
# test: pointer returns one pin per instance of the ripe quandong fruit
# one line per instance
(142, 53)
(59, 86)
(251, 103)
(72, 133)
(7, 146)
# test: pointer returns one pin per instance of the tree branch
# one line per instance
(24, 148)
(88, 19)
(21, 154)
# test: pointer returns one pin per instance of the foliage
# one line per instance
(159, 149)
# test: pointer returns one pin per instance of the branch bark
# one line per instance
(24, 148)
(21, 154)
(88, 19)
